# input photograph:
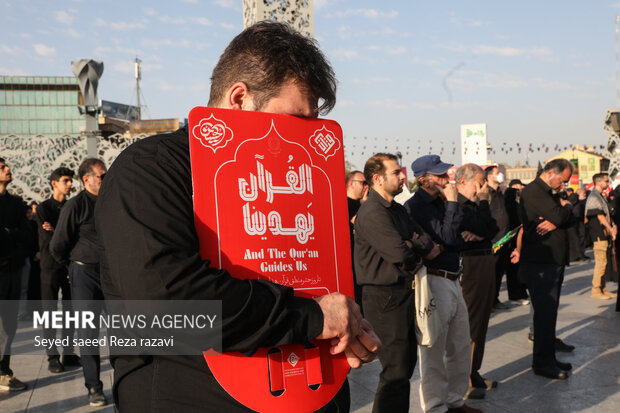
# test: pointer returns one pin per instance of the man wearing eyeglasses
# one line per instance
(601, 229)
(75, 243)
(545, 217)
(357, 192)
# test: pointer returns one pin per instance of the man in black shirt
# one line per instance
(544, 254)
(357, 192)
(388, 251)
(497, 204)
(444, 367)
(15, 237)
(54, 274)
(146, 207)
(602, 229)
(75, 241)
(478, 229)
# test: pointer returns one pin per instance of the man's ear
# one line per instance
(238, 97)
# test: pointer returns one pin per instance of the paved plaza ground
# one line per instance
(594, 385)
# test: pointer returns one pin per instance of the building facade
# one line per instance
(40, 105)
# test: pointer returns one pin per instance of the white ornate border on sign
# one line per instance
(217, 214)
(211, 132)
(312, 140)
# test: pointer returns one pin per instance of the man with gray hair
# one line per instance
(601, 229)
(477, 229)
(545, 217)
(444, 367)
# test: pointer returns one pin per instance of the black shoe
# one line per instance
(562, 346)
(71, 360)
(475, 393)
(54, 365)
(96, 397)
(481, 383)
(563, 366)
(551, 372)
(530, 337)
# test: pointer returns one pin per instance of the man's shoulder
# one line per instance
(163, 145)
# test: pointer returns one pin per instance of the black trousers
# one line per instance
(479, 293)
(544, 281)
(10, 289)
(184, 384)
(86, 286)
(52, 281)
(391, 311)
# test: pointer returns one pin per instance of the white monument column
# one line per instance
(298, 13)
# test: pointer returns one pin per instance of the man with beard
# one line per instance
(444, 367)
(388, 251)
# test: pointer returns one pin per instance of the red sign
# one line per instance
(270, 203)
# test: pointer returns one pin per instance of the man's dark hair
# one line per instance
(375, 165)
(570, 190)
(489, 170)
(352, 174)
(86, 167)
(265, 56)
(2, 160)
(60, 172)
(599, 177)
(558, 166)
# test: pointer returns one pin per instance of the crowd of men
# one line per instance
(466, 235)
(448, 231)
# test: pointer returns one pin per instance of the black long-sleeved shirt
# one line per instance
(538, 203)
(441, 221)
(75, 237)
(497, 205)
(48, 211)
(476, 218)
(381, 253)
(150, 250)
(15, 233)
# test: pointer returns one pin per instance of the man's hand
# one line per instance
(614, 232)
(482, 192)
(545, 227)
(343, 324)
(565, 202)
(47, 226)
(450, 192)
(434, 252)
(515, 256)
(470, 236)
(363, 348)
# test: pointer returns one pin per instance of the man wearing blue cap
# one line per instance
(444, 367)
(388, 251)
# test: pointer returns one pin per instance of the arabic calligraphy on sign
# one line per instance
(297, 183)
(212, 133)
(324, 142)
(255, 223)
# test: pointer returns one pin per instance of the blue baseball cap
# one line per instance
(429, 164)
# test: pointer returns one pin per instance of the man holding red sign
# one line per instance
(145, 206)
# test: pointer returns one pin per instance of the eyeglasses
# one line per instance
(361, 182)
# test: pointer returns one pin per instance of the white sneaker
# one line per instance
(522, 301)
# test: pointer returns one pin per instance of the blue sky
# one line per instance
(410, 73)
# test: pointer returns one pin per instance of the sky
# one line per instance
(538, 73)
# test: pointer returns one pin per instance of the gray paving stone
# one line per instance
(594, 385)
